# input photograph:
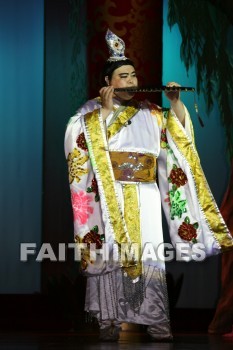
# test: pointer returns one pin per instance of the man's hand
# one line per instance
(173, 96)
(176, 104)
(106, 95)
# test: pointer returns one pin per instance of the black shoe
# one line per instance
(110, 333)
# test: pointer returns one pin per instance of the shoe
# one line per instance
(110, 333)
(158, 335)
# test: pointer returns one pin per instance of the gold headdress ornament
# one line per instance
(116, 47)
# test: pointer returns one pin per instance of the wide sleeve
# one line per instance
(194, 220)
(88, 225)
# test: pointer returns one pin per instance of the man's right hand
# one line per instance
(106, 95)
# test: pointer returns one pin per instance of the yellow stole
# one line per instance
(126, 228)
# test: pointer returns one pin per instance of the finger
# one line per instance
(172, 83)
(102, 90)
(108, 93)
(106, 90)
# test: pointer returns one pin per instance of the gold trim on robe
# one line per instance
(100, 160)
(132, 219)
(126, 113)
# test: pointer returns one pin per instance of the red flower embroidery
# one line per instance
(187, 231)
(177, 177)
(81, 142)
(94, 185)
(163, 135)
(94, 188)
(93, 237)
(164, 142)
(81, 206)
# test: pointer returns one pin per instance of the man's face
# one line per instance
(124, 76)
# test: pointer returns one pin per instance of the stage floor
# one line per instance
(88, 340)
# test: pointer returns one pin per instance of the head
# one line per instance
(120, 74)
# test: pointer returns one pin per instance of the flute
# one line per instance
(162, 88)
(155, 89)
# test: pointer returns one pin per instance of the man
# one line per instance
(126, 157)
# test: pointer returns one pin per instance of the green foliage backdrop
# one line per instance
(206, 33)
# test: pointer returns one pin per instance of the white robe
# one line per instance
(110, 294)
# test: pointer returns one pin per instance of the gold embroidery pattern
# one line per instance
(132, 219)
(206, 200)
(75, 162)
(85, 254)
(90, 237)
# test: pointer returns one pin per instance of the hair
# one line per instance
(110, 66)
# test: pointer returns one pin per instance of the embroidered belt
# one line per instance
(133, 166)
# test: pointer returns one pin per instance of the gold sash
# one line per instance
(133, 166)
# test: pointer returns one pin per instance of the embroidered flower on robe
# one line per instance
(75, 162)
(163, 138)
(81, 206)
(93, 237)
(81, 142)
(85, 254)
(177, 176)
(177, 204)
(94, 188)
(187, 231)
